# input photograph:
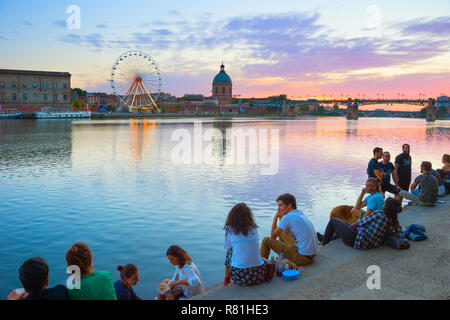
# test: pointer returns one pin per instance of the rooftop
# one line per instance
(35, 73)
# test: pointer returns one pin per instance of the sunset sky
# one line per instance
(299, 48)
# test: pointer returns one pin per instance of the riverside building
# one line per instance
(33, 91)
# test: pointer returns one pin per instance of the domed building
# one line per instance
(222, 87)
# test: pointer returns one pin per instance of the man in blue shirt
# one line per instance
(296, 233)
(388, 170)
(374, 201)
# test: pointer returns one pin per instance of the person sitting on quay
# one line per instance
(374, 201)
(369, 232)
(403, 169)
(374, 169)
(243, 264)
(296, 233)
(33, 275)
(94, 285)
(429, 186)
(388, 170)
(441, 186)
(129, 276)
(445, 172)
(186, 281)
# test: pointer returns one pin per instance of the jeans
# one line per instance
(414, 198)
(342, 230)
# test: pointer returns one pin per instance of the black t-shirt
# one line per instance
(387, 169)
(57, 293)
(373, 165)
(404, 169)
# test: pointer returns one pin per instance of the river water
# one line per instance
(114, 185)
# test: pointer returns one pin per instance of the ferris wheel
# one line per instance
(136, 80)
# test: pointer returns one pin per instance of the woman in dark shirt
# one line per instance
(129, 276)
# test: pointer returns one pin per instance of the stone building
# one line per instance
(222, 87)
(31, 91)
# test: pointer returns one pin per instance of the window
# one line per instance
(230, 91)
(13, 84)
(217, 90)
(65, 97)
(45, 85)
(45, 97)
(55, 97)
(3, 84)
(55, 86)
(35, 97)
(25, 97)
(223, 90)
(34, 85)
(65, 85)
(14, 97)
(24, 84)
(3, 96)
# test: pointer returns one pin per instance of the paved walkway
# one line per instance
(340, 272)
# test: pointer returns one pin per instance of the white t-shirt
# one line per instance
(190, 273)
(301, 228)
(245, 248)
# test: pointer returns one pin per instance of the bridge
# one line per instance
(353, 105)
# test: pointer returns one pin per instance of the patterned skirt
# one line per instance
(246, 276)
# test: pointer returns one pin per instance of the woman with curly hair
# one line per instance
(243, 264)
(94, 285)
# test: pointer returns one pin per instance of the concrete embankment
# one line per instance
(340, 272)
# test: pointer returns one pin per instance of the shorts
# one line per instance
(389, 188)
(404, 185)
(246, 276)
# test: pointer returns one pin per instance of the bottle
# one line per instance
(277, 266)
(281, 265)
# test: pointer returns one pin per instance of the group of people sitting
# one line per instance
(426, 187)
(98, 285)
(246, 264)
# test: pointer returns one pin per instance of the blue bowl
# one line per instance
(291, 274)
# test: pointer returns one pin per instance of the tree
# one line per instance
(320, 111)
(441, 113)
(80, 92)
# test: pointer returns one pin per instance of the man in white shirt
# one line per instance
(297, 237)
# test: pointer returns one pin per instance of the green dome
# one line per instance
(222, 76)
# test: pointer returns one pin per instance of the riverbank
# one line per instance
(340, 272)
(271, 116)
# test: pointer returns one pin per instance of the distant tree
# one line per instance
(304, 108)
(441, 113)
(423, 113)
(75, 105)
(320, 111)
(80, 92)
